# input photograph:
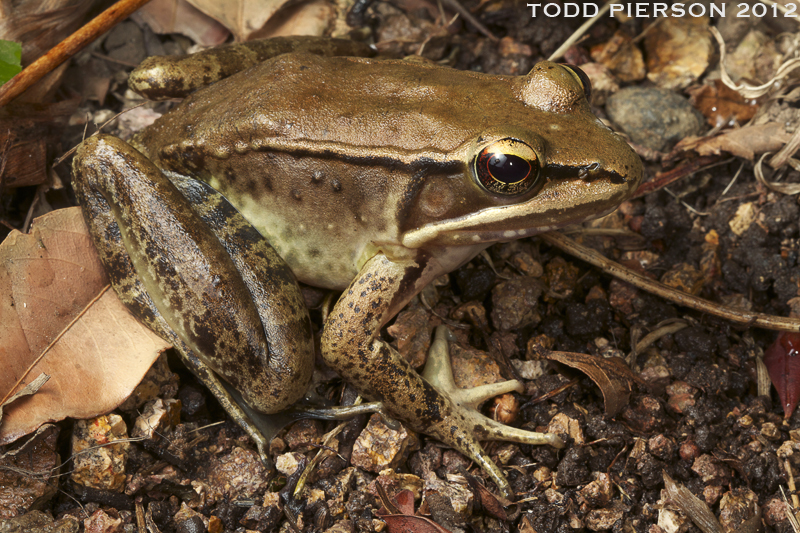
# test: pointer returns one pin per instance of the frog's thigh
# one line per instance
(213, 313)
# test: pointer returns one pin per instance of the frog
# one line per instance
(371, 177)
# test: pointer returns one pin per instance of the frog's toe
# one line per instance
(438, 372)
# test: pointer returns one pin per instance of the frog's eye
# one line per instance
(507, 167)
(582, 78)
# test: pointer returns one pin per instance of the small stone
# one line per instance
(597, 493)
(645, 414)
(303, 435)
(187, 520)
(102, 522)
(603, 519)
(712, 494)
(158, 382)
(770, 431)
(681, 397)
(774, 511)
(157, 418)
(689, 450)
(237, 475)
(561, 424)
(515, 303)
(711, 471)
(662, 447)
(412, 330)
(379, 447)
(505, 408)
(287, 463)
(737, 507)
(100, 467)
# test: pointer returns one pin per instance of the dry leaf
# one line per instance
(48, 278)
(742, 142)
(243, 18)
(179, 16)
(611, 374)
(783, 366)
(312, 17)
(692, 506)
(620, 55)
(678, 51)
(720, 104)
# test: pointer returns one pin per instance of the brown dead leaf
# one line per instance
(620, 55)
(48, 278)
(611, 374)
(25, 131)
(247, 18)
(311, 17)
(742, 142)
(678, 51)
(721, 104)
(179, 16)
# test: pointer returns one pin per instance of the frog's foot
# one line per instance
(439, 373)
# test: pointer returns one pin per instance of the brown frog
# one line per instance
(372, 177)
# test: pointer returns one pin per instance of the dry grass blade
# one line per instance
(692, 506)
(745, 89)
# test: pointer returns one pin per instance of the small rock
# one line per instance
(738, 506)
(655, 118)
(102, 522)
(378, 447)
(712, 494)
(711, 471)
(644, 414)
(303, 434)
(562, 424)
(157, 418)
(662, 447)
(412, 330)
(158, 382)
(681, 397)
(689, 450)
(774, 511)
(237, 475)
(603, 519)
(515, 303)
(598, 493)
(100, 467)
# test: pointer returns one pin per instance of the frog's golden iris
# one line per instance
(508, 167)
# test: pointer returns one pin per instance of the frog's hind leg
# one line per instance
(194, 283)
(351, 344)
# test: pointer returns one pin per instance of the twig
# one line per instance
(738, 316)
(67, 48)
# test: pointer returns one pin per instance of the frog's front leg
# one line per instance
(351, 344)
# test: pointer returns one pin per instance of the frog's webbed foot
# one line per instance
(438, 372)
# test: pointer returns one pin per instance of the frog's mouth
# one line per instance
(560, 203)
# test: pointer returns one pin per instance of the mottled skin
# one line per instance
(364, 176)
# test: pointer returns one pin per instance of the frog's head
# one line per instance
(547, 162)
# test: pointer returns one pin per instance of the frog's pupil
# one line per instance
(508, 168)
